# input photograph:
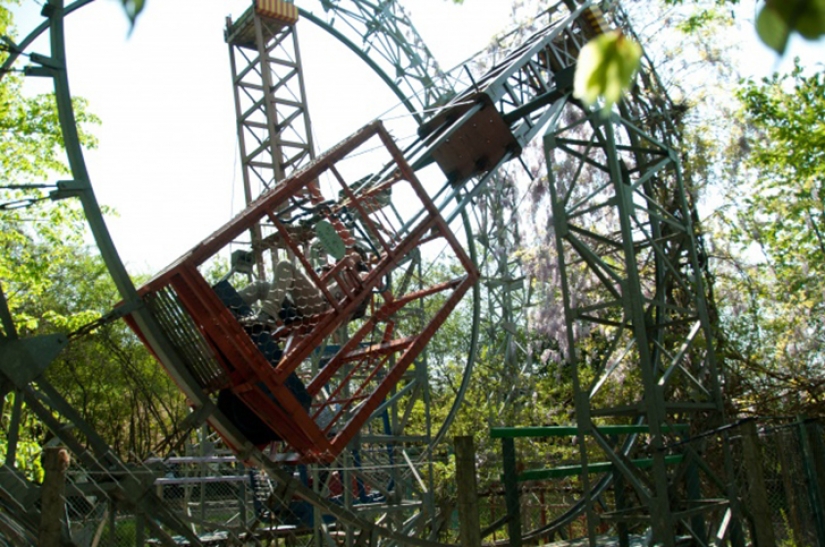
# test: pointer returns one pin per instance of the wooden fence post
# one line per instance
(791, 492)
(812, 482)
(758, 494)
(816, 433)
(52, 505)
(465, 477)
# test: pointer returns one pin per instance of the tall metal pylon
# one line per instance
(632, 272)
(274, 130)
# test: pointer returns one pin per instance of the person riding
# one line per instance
(291, 294)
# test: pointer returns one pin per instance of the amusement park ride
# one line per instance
(298, 330)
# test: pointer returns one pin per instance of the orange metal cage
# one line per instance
(362, 367)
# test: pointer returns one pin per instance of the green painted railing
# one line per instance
(570, 430)
(511, 478)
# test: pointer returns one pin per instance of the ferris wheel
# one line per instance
(298, 329)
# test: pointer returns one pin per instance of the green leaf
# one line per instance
(605, 69)
(778, 18)
(810, 22)
(133, 9)
(772, 29)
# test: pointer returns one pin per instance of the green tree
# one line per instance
(774, 284)
(53, 281)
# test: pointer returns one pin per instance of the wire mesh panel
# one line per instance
(785, 476)
(301, 335)
(789, 459)
(214, 495)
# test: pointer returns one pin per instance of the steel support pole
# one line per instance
(757, 493)
(633, 300)
(511, 491)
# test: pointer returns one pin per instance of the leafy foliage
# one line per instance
(777, 19)
(774, 292)
(54, 282)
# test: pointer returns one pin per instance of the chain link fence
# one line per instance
(790, 454)
(780, 467)
(221, 501)
(779, 472)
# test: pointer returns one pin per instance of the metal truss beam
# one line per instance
(632, 273)
(274, 129)
(636, 312)
(382, 32)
